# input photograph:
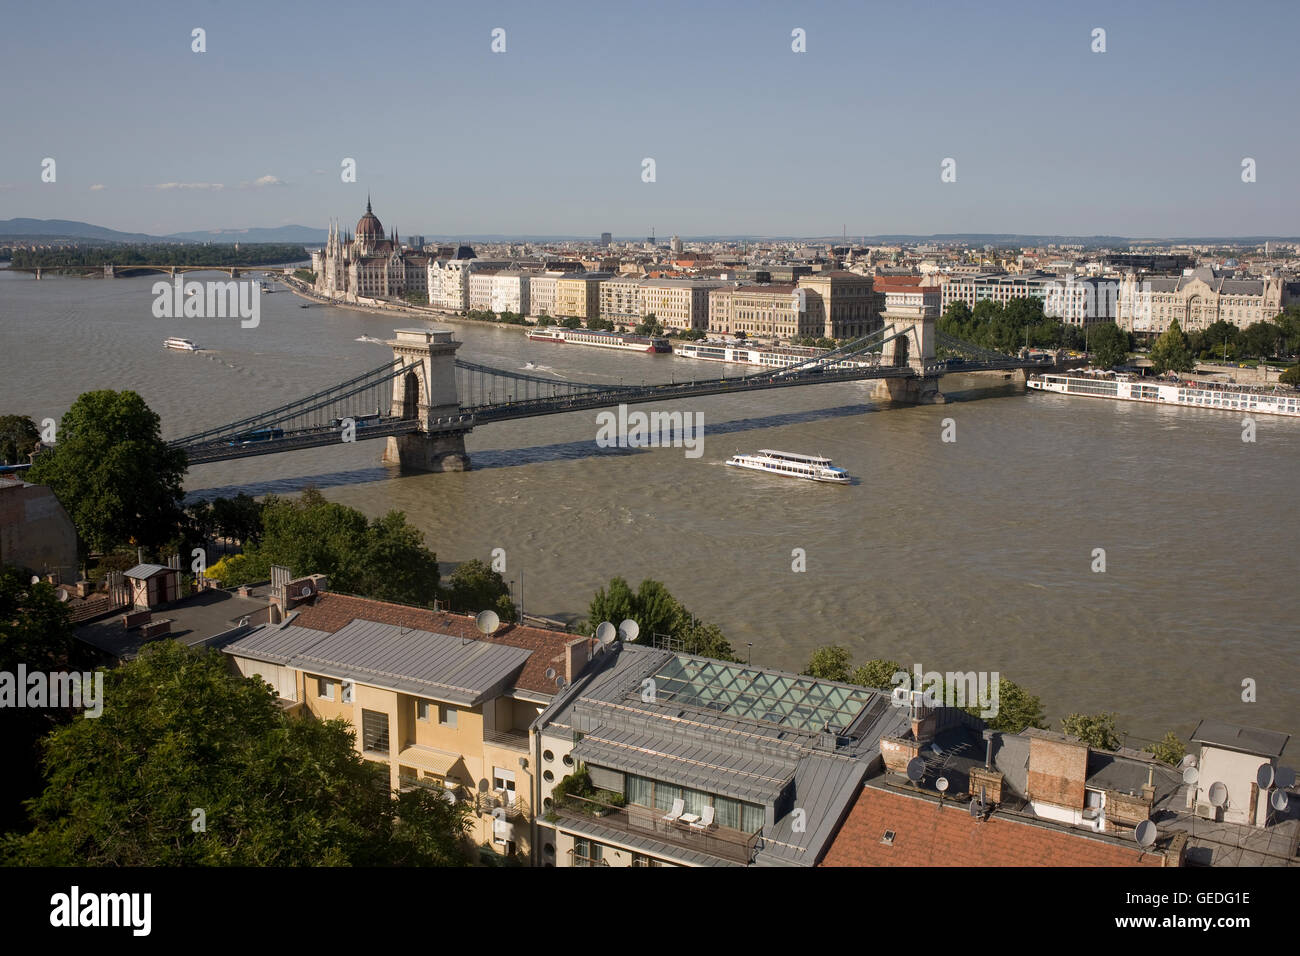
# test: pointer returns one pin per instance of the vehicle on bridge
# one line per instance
(360, 421)
(257, 434)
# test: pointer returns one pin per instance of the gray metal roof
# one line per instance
(446, 668)
(147, 570)
(1251, 740)
(742, 775)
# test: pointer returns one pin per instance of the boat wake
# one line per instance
(371, 339)
(530, 367)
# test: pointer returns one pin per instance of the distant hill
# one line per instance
(297, 234)
(66, 229)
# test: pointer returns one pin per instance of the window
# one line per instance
(374, 731)
(422, 710)
(446, 716)
(324, 688)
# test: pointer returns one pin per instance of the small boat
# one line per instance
(180, 345)
(791, 465)
(304, 305)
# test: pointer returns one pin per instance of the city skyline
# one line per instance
(749, 138)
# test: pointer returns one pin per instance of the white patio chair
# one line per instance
(679, 807)
(705, 822)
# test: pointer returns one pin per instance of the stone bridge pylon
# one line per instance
(427, 393)
(914, 348)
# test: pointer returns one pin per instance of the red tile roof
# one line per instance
(331, 612)
(925, 835)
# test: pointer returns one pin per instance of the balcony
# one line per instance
(734, 846)
(511, 739)
(515, 806)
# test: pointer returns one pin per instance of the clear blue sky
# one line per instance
(1146, 139)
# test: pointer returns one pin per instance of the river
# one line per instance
(974, 554)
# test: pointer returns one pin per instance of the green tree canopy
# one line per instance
(1169, 352)
(1108, 343)
(18, 437)
(1096, 730)
(656, 611)
(1291, 376)
(119, 481)
(876, 674)
(1017, 709)
(1169, 749)
(180, 733)
(831, 662)
(475, 587)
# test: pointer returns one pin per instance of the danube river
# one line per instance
(969, 555)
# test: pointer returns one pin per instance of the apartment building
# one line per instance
(768, 311)
(578, 296)
(480, 289)
(1149, 304)
(844, 305)
(541, 294)
(678, 760)
(509, 292)
(999, 287)
(678, 303)
(434, 701)
(449, 283)
(620, 300)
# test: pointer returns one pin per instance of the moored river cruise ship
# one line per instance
(769, 356)
(603, 340)
(1264, 400)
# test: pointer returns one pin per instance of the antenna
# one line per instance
(1146, 834)
(628, 631)
(915, 769)
(487, 622)
(606, 633)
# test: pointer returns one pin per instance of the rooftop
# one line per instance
(1250, 740)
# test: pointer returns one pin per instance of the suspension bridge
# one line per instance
(425, 400)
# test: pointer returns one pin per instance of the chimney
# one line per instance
(576, 654)
(924, 719)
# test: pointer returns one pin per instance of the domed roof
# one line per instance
(368, 226)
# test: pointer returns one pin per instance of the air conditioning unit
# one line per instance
(347, 691)
(1207, 811)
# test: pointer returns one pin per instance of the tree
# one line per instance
(1168, 749)
(475, 587)
(1017, 709)
(650, 325)
(598, 324)
(876, 674)
(571, 322)
(829, 663)
(119, 481)
(1096, 730)
(1109, 344)
(656, 611)
(18, 438)
(1169, 353)
(1291, 376)
(1260, 339)
(617, 604)
(179, 733)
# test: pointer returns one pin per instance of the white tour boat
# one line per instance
(181, 345)
(790, 465)
(1265, 400)
(603, 340)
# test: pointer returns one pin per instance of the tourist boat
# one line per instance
(790, 465)
(781, 356)
(1264, 400)
(603, 340)
(181, 345)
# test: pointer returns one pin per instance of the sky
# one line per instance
(748, 137)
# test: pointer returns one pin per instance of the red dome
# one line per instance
(369, 227)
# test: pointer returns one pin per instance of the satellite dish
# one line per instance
(1145, 834)
(976, 809)
(487, 621)
(915, 769)
(1278, 799)
(1191, 775)
(935, 748)
(560, 682)
(306, 591)
(449, 796)
(36, 579)
(1284, 778)
(941, 784)
(606, 633)
(1264, 776)
(628, 630)
(1187, 761)
(550, 673)
(63, 596)
(1218, 794)
(483, 786)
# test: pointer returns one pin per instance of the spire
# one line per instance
(367, 202)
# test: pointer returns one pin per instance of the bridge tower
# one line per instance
(426, 393)
(914, 348)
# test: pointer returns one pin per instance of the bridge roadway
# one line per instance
(228, 448)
